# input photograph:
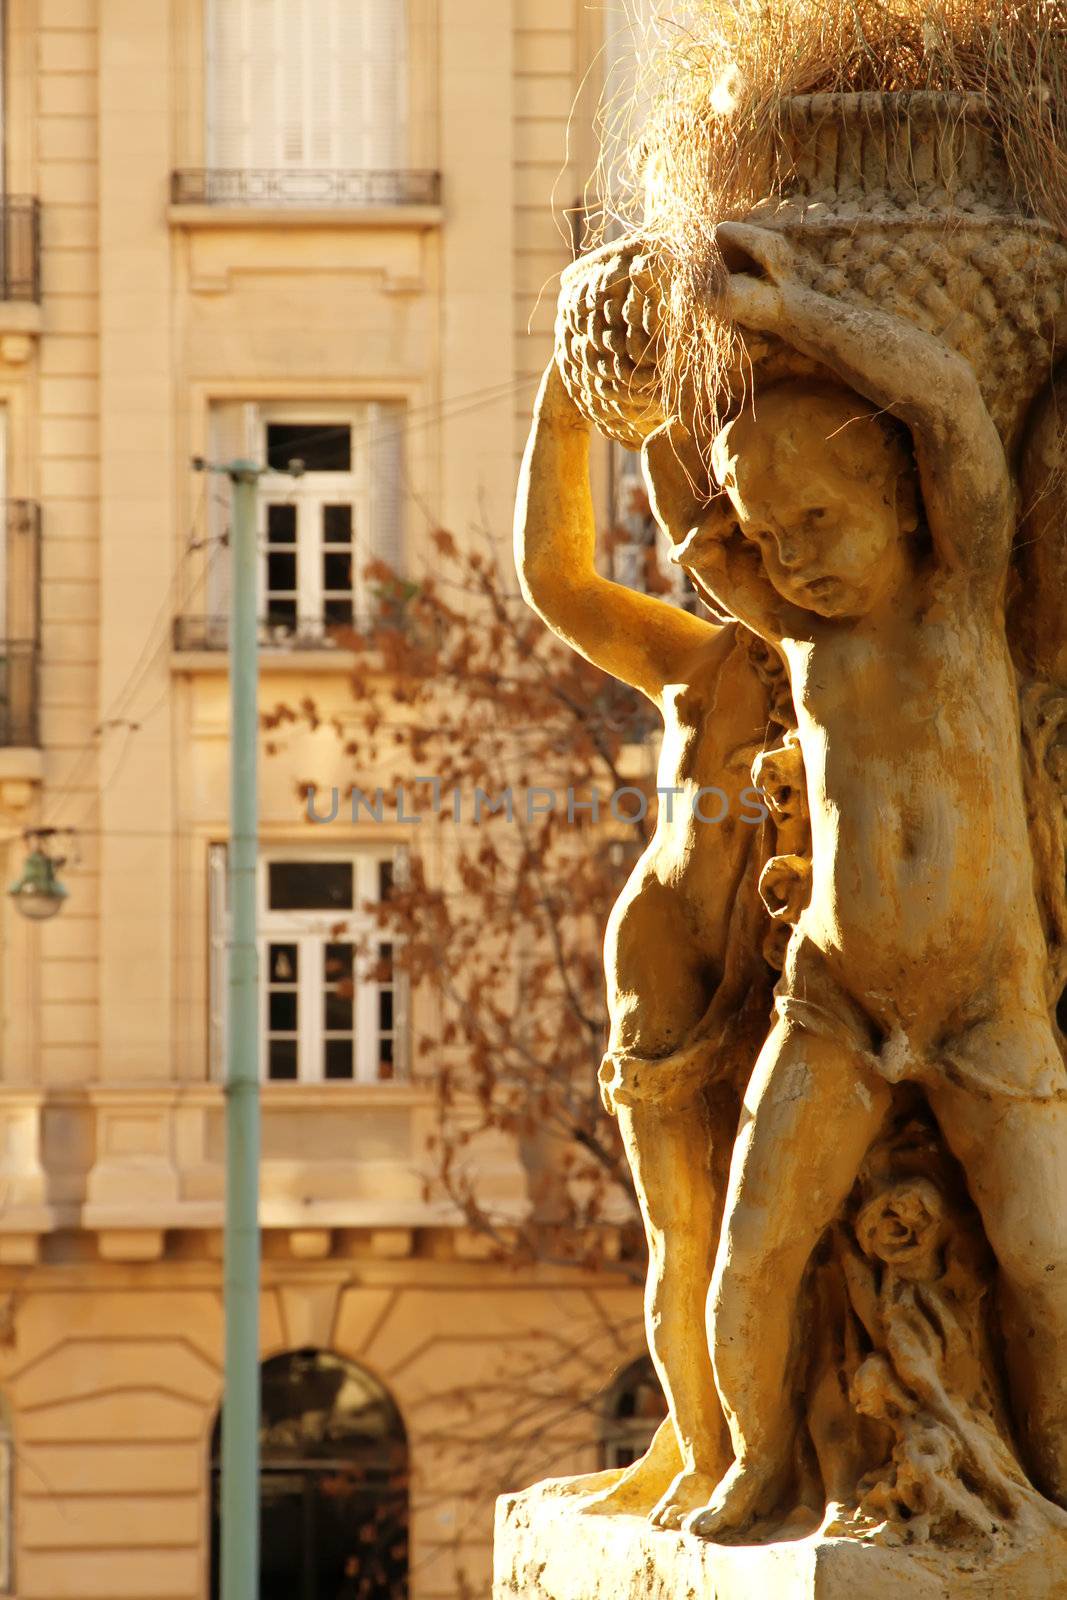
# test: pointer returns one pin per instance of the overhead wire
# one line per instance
(156, 636)
(414, 418)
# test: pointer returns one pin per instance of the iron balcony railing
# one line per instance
(297, 186)
(20, 255)
(274, 633)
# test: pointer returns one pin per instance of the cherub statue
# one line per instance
(688, 991)
(870, 529)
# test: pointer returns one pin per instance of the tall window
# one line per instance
(331, 1001)
(305, 84)
(318, 532)
(333, 1483)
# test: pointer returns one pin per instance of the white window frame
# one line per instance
(311, 932)
(308, 495)
(374, 487)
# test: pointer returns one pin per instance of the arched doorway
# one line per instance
(333, 1483)
(633, 1408)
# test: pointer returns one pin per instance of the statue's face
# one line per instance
(815, 487)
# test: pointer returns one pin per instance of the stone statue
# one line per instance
(688, 997)
(876, 493)
(885, 595)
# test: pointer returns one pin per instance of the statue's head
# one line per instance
(824, 485)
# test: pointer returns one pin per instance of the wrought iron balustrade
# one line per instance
(299, 186)
(274, 633)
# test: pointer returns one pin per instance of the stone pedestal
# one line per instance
(547, 1549)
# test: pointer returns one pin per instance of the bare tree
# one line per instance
(537, 768)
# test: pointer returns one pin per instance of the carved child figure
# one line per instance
(919, 954)
(687, 990)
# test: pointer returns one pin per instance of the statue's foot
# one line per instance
(640, 1486)
(746, 1492)
(584, 1483)
(690, 1491)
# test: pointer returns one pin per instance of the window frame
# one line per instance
(309, 495)
(312, 932)
(374, 487)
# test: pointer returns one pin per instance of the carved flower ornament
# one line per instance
(905, 1226)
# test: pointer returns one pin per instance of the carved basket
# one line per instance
(903, 201)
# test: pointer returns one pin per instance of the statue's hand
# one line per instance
(761, 264)
(758, 252)
(676, 480)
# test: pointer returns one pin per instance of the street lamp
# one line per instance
(38, 892)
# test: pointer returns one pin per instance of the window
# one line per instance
(634, 1407)
(306, 84)
(331, 1001)
(318, 532)
(333, 1483)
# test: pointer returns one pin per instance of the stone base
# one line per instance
(546, 1549)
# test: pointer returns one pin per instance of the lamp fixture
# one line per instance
(38, 892)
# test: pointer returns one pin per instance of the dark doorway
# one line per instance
(333, 1484)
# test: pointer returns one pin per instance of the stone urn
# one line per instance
(904, 201)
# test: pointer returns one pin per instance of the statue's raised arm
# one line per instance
(639, 639)
(966, 486)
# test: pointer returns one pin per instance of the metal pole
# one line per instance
(240, 1408)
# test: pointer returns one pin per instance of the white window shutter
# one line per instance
(385, 431)
(403, 1054)
(227, 28)
(218, 958)
(324, 63)
(385, 78)
(293, 57)
(302, 84)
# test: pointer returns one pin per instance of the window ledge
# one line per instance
(419, 218)
(20, 316)
(200, 663)
(21, 763)
(181, 1095)
(399, 1092)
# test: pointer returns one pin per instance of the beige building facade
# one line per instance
(314, 228)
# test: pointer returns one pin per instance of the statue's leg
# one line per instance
(679, 1158)
(1014, 1153)
(811, 1112)
(658, 991)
